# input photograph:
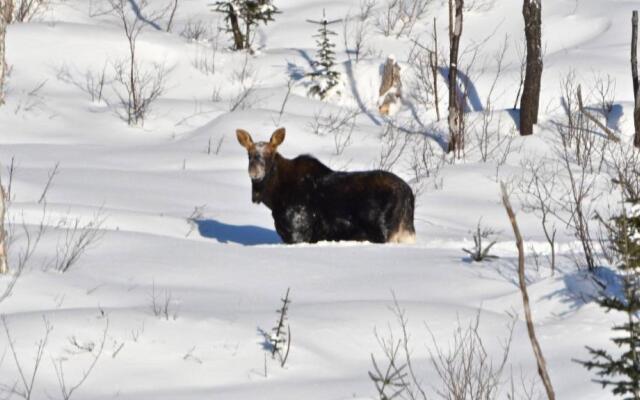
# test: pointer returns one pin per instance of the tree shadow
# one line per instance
(136, 9)
(356, 94)
(247, 235)
(582, 287)
(514, 113)
(615, 115)
(473, 103)
(265, 344)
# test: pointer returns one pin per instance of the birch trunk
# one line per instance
(455, 104)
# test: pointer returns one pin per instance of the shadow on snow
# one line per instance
(248, 235)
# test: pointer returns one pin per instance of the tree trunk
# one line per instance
(455, 104)
(634, 74)
(530, 101)
(433, 63)
(172, 15)
(238, 39)
(5, 11)
(4, 268)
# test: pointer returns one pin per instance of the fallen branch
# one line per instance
(593, 119)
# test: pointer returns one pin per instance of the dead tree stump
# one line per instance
(391, 86)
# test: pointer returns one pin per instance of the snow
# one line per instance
(179, 224)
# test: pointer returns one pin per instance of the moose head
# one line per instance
(262, 157)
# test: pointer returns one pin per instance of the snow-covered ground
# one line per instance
(177, 225)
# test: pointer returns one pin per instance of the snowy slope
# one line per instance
(178, 223)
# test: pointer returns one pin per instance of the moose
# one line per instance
(310, 202)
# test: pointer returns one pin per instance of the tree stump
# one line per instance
(391, 86)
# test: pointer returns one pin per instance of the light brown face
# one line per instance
(261, 154)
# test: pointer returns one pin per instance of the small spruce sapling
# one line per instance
(325, 77)
(622, 371)
(279, 339)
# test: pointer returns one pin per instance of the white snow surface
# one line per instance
(179, 222)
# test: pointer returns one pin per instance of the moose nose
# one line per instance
(256, 173)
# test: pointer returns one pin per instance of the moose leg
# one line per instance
(294, 224)
(300, 221)
(399, 218)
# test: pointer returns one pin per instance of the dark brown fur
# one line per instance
(310, 202)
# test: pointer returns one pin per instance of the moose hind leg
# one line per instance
(400, 219)
(402, 235)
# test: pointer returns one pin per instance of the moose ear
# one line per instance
(244, 138)
(277, 138)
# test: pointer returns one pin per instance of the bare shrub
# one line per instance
(423, 83)
(426, 163)
(27, 378)
(623, 165)
(206, 56)
(52, 174)
(540, 189)
(31, 100)
(26, 10)
(480, 251)
(93, 84)
(394, 144)
(245, 77)
(465, 369)
(490, 141)
(78, 237)
(332, 122)
(139, 90)
(195, 30)
(215, 149)
(66, 389)
(242, 100)
(399, 17)
(355, 30)
(605, 90)
(161, 304)
(581, 159)
(20, 256)
(138, 87)
(285, 100)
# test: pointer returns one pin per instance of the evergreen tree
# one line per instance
(242, 16)
(325, 77)
(622, 372)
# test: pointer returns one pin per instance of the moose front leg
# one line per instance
(294, 224)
